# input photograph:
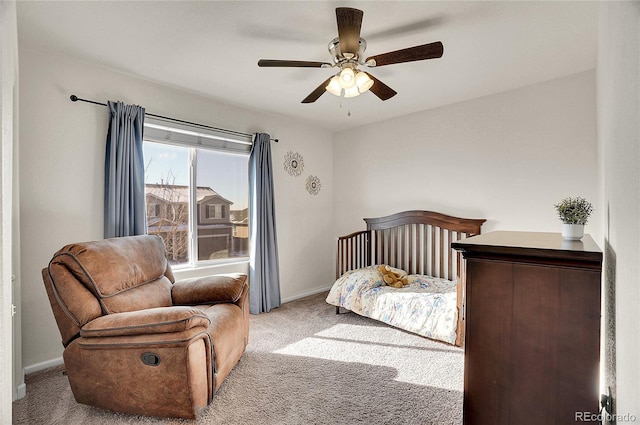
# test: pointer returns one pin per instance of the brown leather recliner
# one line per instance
(136, 341)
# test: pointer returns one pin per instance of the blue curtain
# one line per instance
(124, 203)
(264, 274)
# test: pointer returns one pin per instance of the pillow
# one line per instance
(432, 284)
(419, 280)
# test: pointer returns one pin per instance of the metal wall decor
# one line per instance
(293, 163)
(313, 185)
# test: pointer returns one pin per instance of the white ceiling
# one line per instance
(212, 48)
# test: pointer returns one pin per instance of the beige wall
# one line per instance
(619, 142)
(62, 171)
(507, 157)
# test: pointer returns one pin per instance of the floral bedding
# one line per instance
(427, 306)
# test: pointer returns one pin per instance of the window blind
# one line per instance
(162, 131)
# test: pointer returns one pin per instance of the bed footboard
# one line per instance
(353, 252)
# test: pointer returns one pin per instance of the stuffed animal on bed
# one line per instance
(391, 278)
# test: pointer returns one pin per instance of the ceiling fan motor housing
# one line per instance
(339, 57)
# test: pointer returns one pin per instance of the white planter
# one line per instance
(572, 232)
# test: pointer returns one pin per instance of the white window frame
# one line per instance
(193, 138)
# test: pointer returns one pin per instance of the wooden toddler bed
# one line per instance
(418, 243)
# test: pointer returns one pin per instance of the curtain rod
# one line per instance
(75, 98)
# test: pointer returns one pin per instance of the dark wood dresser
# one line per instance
(532, 348)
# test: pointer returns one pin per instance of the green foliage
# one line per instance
(574, 210)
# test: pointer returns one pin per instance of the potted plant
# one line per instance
(574, 213)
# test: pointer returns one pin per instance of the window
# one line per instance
(211, 211)
(216, 211)
(153, 210)
(201, 215)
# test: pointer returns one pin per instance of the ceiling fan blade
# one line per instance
(380, 89)
(295, 64)
(319, 91)
(349, 24)
(417, 53)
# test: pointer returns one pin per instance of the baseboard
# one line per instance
(37, 367)
(21, 391)
(306, 294)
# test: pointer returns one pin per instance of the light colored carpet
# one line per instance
(304, 365)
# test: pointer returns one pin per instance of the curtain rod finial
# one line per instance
(73, 98)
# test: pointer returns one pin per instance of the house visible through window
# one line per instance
(202, 216)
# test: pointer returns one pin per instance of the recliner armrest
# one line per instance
(145, 322)
(216, 289)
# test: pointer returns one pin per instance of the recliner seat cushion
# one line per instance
(144, 322)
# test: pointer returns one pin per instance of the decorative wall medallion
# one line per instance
(293, 163)
(313, 185)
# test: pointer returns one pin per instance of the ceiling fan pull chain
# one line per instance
(348, 112)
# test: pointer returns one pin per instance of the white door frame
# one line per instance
(8, 131)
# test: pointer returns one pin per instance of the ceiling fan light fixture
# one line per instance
(334, 86)
(351, 91)
(347, 78)
(363, 81)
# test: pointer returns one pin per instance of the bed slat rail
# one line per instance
(418, 242)
(417, 249)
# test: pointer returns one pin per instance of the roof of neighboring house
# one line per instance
(158, 224)
(240, 215)
(180, 194)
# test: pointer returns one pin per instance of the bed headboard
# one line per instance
(418, 242)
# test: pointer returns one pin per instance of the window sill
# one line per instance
(183, 272)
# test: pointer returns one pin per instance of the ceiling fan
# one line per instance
(347, 50)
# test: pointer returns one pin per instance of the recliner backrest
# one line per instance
(114, 275)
